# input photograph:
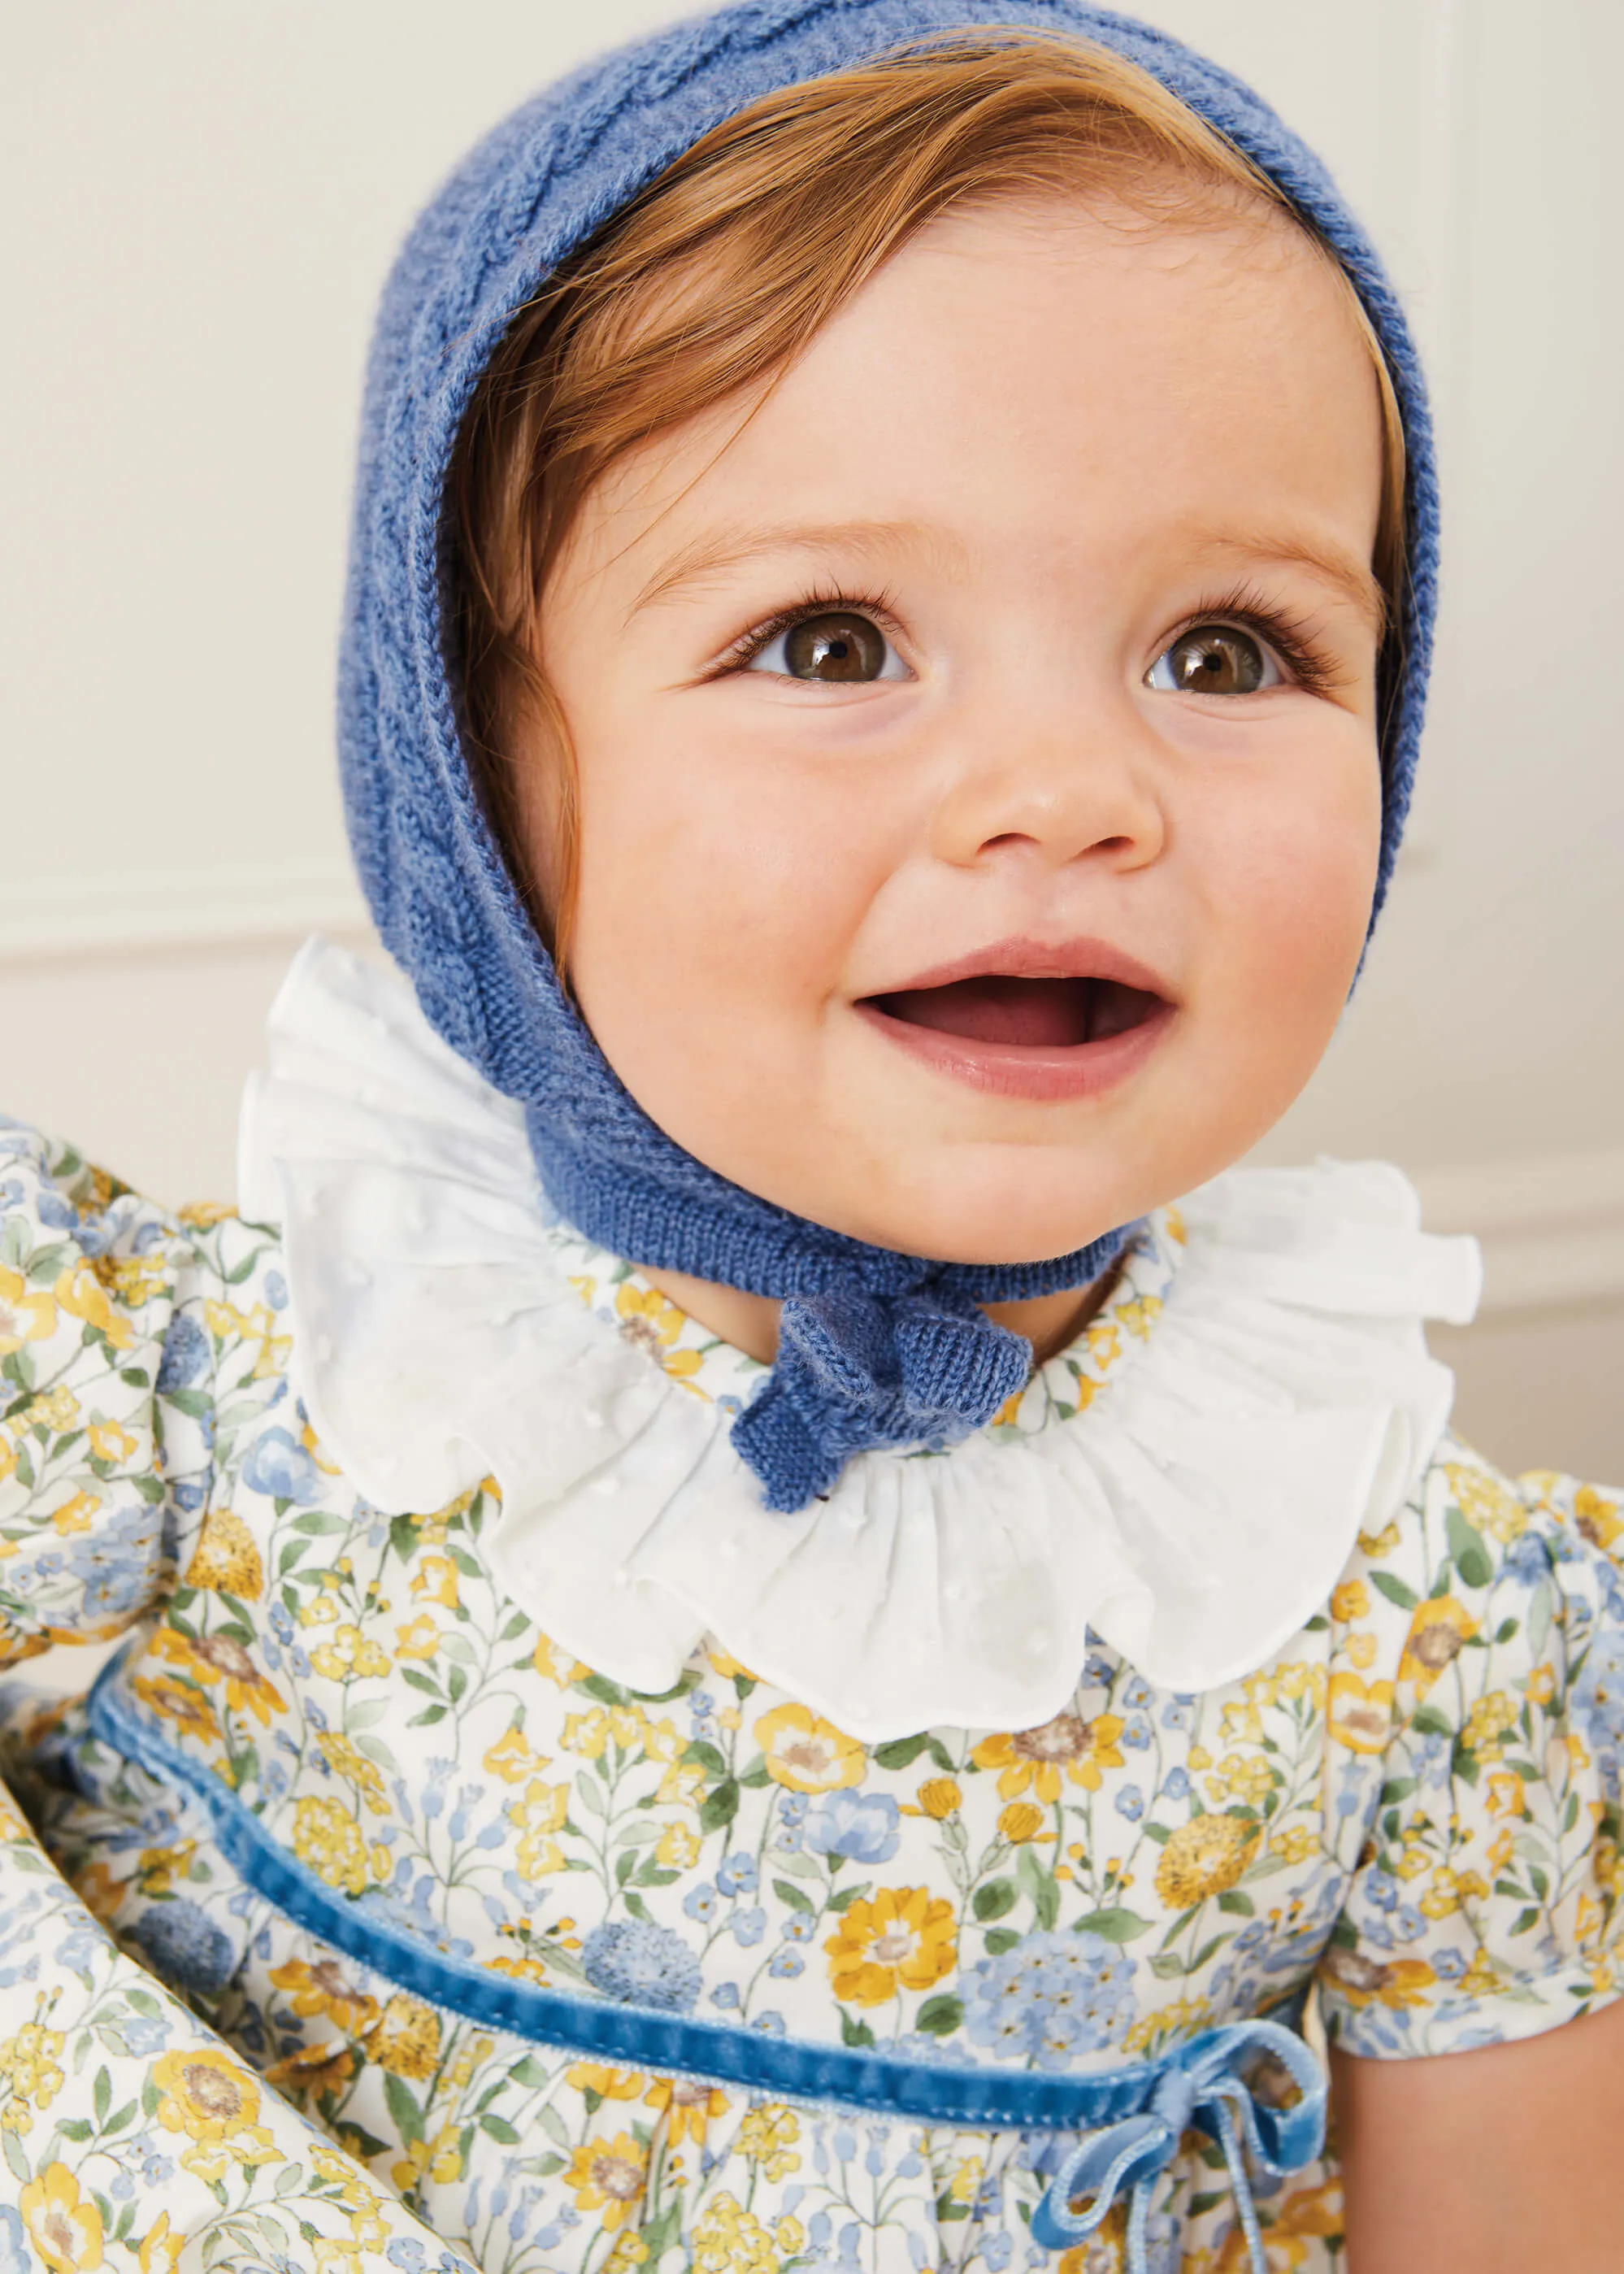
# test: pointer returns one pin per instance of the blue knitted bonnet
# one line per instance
(877, 1348)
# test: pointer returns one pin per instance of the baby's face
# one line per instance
(980, 803)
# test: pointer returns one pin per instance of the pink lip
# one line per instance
(1025, 1070)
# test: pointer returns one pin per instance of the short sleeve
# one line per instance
(1486, 1905)
(104, 1399)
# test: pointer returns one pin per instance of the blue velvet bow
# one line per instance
(857, 1369)
(1203, 2085)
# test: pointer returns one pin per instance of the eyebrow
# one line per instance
(716, 554)
(1345, 572)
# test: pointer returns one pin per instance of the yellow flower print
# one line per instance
(681, 1785)
(207, 2094)
(24, 1318)
(629, 2251)
(440, 2158)
(691, 2107)
(538, 1815)
(1294, 1844)
(767, 2137)
(1180, 2017)
(1360, 1651)
(1242, 1776)
(790, 2236)
(418, 1639)
(653, 1322)
(1020, 1821)
(1007, 1412)
(1597, 1516)
(76, 1515)
(323, 1989)
(607, 2176)
(132, 1280)
(161, 2252)
(1486, 1502)
(435, 1579)
(217, 1658)
(1487, 1725)
(328, 1838)
(966, 2178)
(110, 1441)
(1242, 1724)
(677, 1849)
(556, 1666)
(607, 2083)
(64, 2225)
(203, 1216)
(1035, 1760)
(729, 2239)
(1350, 1601)
(1449, 1890)
(1360, 1712)
(901, 1940)
(807, 1754)
(312, 2070)
(1506, 1794)
(1367, 1982)
(351, 1656)
(345, 1758)
(1204, 1857)
(226, 1557)
(178, 1702)
(1439, 1632)
(1138, 1314)
(510, 1757)
(723, 1663)
(1379, 1544)
(30, 2066)
(406, 2038)
(588, 1734)
(1540, 1688)
(940, 1797)
(79, 1293)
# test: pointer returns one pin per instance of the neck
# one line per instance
(751, 1322)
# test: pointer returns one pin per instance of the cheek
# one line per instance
(720, 890)
(1290, 874)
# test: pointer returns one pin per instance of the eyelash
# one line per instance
(818, 602)
(1290, 636)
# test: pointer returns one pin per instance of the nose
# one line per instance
(1059, 786)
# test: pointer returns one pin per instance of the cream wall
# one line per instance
(202, 201)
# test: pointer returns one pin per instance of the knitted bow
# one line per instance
(1201, 2085)
(857, 1369)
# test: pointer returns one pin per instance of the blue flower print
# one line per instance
(1599, 1693)
(860, 1826)
(185, 1355)
(1052, 1997)
(276, 1291)
(702, 1902)
(725, 1996)
(638, 1964)
(799, 1927)
(15, 2256)
(187, 1949)
(737, 1876)
(1131, 1803)
(1176, 1783)
(787, 1964)
(278, 1466)
(749, 1926)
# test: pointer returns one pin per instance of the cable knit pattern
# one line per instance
(442, 899)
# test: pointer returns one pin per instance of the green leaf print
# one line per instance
(1472, 1557)
(1395, 1590)
(1116, 1923)
(995, 1900)
(941, 2015)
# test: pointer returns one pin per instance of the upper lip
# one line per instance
(1035, 959)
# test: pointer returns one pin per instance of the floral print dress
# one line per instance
(1409, 1808)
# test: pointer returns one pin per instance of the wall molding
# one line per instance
(54, 918)
(1551, 1228)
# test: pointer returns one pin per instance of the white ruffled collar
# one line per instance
(1187, 1480)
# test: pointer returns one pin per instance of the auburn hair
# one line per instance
(717, 276)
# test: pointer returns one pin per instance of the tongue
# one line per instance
(1052, 1013)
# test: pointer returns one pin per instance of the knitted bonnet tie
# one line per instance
(876, 1349)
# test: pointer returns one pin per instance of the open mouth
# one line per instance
(1048, 1031)
(1049, 1014)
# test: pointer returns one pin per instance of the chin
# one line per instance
(991, 1221)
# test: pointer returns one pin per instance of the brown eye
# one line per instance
(1215, 659)
(837, 646)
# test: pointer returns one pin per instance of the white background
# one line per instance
(200, 202)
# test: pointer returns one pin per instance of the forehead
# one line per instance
(1068, 376)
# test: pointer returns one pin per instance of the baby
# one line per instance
(774, 1622)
